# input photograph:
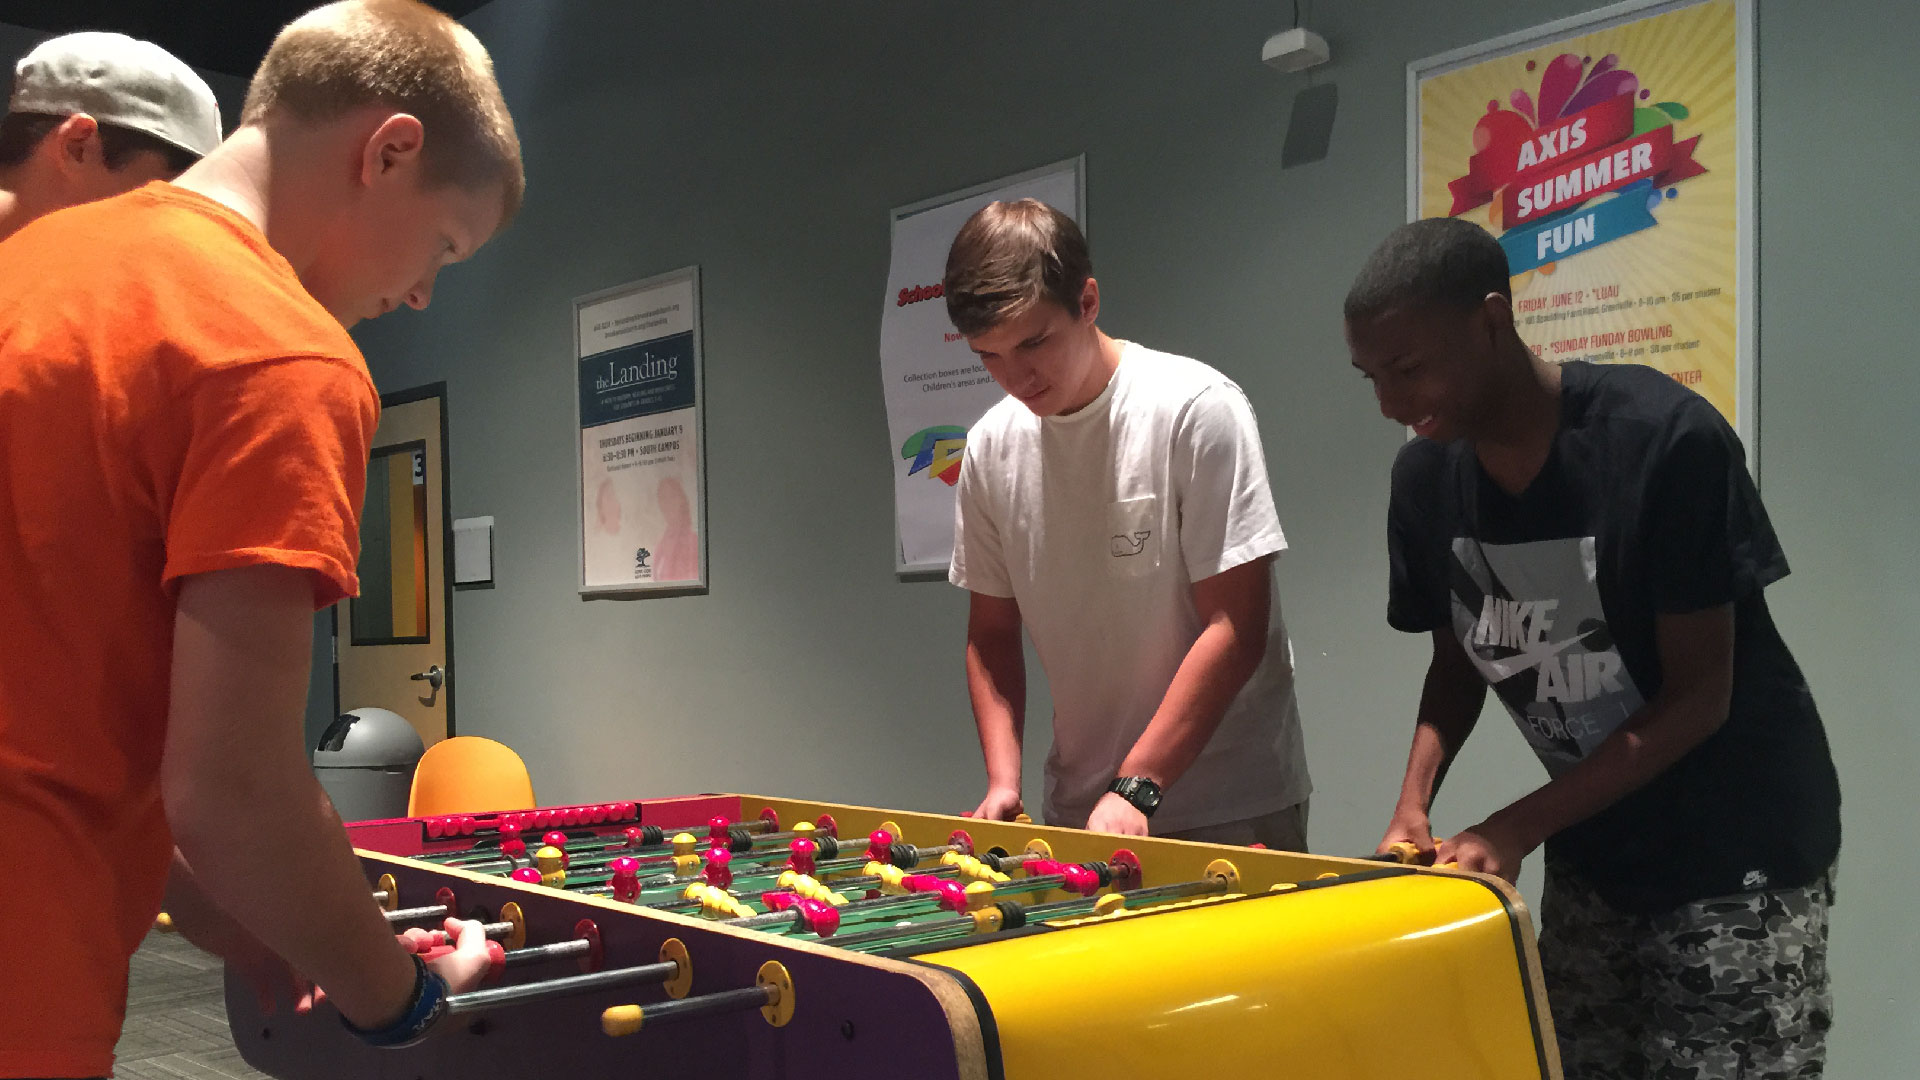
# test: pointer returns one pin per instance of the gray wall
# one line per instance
(766, 146)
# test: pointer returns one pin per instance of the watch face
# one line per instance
(1144, 794)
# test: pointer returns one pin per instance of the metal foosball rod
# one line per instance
(623, 882)
(1221, 879)
(622, 879)
(886, 847)
(674, 971)
(717, 901)
(520, 825)
(511, 929)
(722, 868)
(584, 948)
(922, 891)
(651, 844)
(684, 858)
(492, 930)
(885, 860)
(163, 922)
(802, 914)
(442, 907)
(513, 845)
(905, 891)
(882, 877)
(745, 848)
(771, 993)
(727, 869)
(447, 826)
(713, 897)
(605, 874)
(1084, 880)
(418, 914)
(645, 842)
(802, 856)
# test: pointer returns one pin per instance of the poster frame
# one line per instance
(640, 590)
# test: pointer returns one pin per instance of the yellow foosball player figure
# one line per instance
(1587, 541)
(185, 423)
(1115, 506)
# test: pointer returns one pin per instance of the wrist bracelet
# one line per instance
(429, 1000)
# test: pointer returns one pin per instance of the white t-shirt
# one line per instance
(1098, 524)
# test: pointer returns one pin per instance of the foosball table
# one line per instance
(741, 936)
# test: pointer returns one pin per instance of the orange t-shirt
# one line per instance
(172, 402)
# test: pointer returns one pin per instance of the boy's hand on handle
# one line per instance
(463, 965)
(1410, 827)
(467, 963)
(1487, 848)
(1113, 814)
(1001, 804)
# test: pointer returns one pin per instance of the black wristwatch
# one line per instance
(1143, 793)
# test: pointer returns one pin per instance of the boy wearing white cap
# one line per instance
(93, 115)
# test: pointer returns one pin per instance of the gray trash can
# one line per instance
(365, 762)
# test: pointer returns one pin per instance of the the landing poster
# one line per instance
(642, 497)
(1612, 155)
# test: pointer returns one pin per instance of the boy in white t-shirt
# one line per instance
(1115, 505)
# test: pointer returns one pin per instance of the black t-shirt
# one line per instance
(1644, 507)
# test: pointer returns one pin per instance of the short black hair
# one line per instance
(21, 132)
(1433, 262)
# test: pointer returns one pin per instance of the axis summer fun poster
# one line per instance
(1610, 164)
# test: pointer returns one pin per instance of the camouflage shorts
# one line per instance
(1731, 988)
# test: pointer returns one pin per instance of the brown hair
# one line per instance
(408, 57)
(1008, 257)
(22, 133)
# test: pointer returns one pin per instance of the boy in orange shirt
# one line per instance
(184, 432)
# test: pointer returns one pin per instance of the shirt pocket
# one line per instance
(1133, 536)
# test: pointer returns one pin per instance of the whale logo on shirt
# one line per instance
(1123, 546)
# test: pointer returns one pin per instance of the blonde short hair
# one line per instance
(408, 57)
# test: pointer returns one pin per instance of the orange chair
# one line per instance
(469, 775)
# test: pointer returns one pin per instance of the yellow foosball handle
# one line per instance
(1404, 852)
(1022, 819)
(622, 1020)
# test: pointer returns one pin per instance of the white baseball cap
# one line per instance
(121, 81)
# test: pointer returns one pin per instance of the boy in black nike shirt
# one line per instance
(1588, 542)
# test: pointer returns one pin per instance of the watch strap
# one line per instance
(428, 1002)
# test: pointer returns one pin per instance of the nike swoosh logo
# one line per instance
(1533, 658)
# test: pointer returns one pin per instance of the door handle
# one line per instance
(434, 676)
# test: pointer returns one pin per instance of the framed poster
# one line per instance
(1612, 154)
(643, 514)
(935, 387)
